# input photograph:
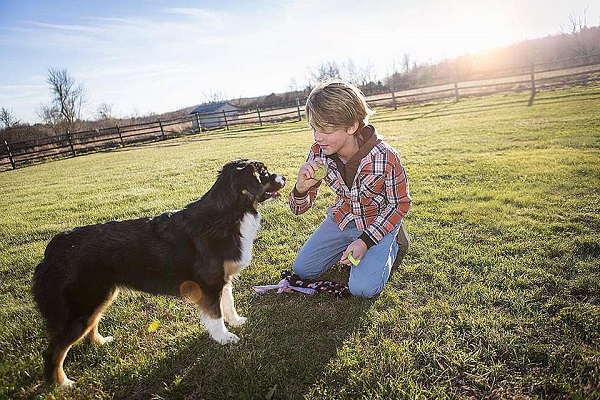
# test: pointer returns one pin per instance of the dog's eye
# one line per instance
(262, 170)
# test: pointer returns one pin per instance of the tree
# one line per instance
(584, 39)
(366, 74)
(293, 86)
(50, 115)
(212, 97)
(406, 63)
(104, 111)
(328, 70)
(352, 74)
(68, 97)
(7, 119)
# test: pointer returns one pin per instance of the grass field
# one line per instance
(498, 297)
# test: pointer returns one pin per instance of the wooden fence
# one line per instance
(71, 144)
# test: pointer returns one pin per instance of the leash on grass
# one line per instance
(291, 282)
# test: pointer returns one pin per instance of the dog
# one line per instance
(193, 253)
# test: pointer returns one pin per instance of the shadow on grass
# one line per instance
(285, 346)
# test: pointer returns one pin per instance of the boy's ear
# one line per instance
(352, 129)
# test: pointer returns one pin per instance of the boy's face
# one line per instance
(341, 140)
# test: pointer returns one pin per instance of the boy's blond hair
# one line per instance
(336, 104)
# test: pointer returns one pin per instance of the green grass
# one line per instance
(498, 297)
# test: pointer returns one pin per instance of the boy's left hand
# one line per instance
(358, 248)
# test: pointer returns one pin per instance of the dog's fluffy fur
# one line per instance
(193, 253)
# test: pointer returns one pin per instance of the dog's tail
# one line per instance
(47, 279)
(39, 286)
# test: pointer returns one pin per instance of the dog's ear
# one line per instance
(242, 164)
(245, 164)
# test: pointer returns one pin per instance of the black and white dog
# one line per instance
(193, 253)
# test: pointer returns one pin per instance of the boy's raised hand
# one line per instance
(306, 175)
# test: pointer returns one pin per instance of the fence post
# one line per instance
(225, 116)
(456, 95)
(394, 98)
(70, 142)
(533, 88)
(120, 136)
(298, 108)
(10, 156)
(162, 131)
(259, 117)
(199, 123)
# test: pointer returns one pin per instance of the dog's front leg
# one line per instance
(228, 307)
(208, 303)
(217, 330)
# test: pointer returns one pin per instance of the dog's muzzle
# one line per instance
(273, 189)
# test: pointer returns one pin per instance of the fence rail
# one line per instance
(71, 144)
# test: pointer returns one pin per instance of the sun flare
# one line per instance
(471, 28)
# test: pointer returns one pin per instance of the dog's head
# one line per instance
(252, 180)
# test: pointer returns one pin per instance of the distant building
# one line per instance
(213, 115)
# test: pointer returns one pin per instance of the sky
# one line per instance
(156, 56)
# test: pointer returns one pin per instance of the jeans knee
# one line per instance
(303, 272)
(362, 290)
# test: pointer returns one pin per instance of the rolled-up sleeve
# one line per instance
(300, 203)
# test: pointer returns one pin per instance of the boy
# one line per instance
(365, 222)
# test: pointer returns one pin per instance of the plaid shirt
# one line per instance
(377, 200)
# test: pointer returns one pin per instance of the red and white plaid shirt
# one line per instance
(377, 200)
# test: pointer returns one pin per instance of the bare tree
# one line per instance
(213, 96)
(328, 70)
(584, 42)
(406, 63)
(293, 86)
(68, 97)
(50, 115)
(401, 77)
(360, 75)
(7, 118)
(351, 72)
(366, 73)
(104, 111)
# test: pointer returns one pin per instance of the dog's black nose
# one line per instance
(279, 179)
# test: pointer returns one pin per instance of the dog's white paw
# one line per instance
(239, 321)
(67, 383)
(105, 340)
(228, 338)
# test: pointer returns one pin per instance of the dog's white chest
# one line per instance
(248, 230)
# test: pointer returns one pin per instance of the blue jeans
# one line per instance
(325, 247)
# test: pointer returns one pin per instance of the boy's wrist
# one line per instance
(298, 193)
(368, 241)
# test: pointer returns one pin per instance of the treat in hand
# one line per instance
(353, 260)
(321, 172)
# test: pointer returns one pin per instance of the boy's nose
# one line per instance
(317, 136)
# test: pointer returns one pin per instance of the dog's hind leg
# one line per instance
(56, 352)
(228, 307)
(80, 322)
(94, 336)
